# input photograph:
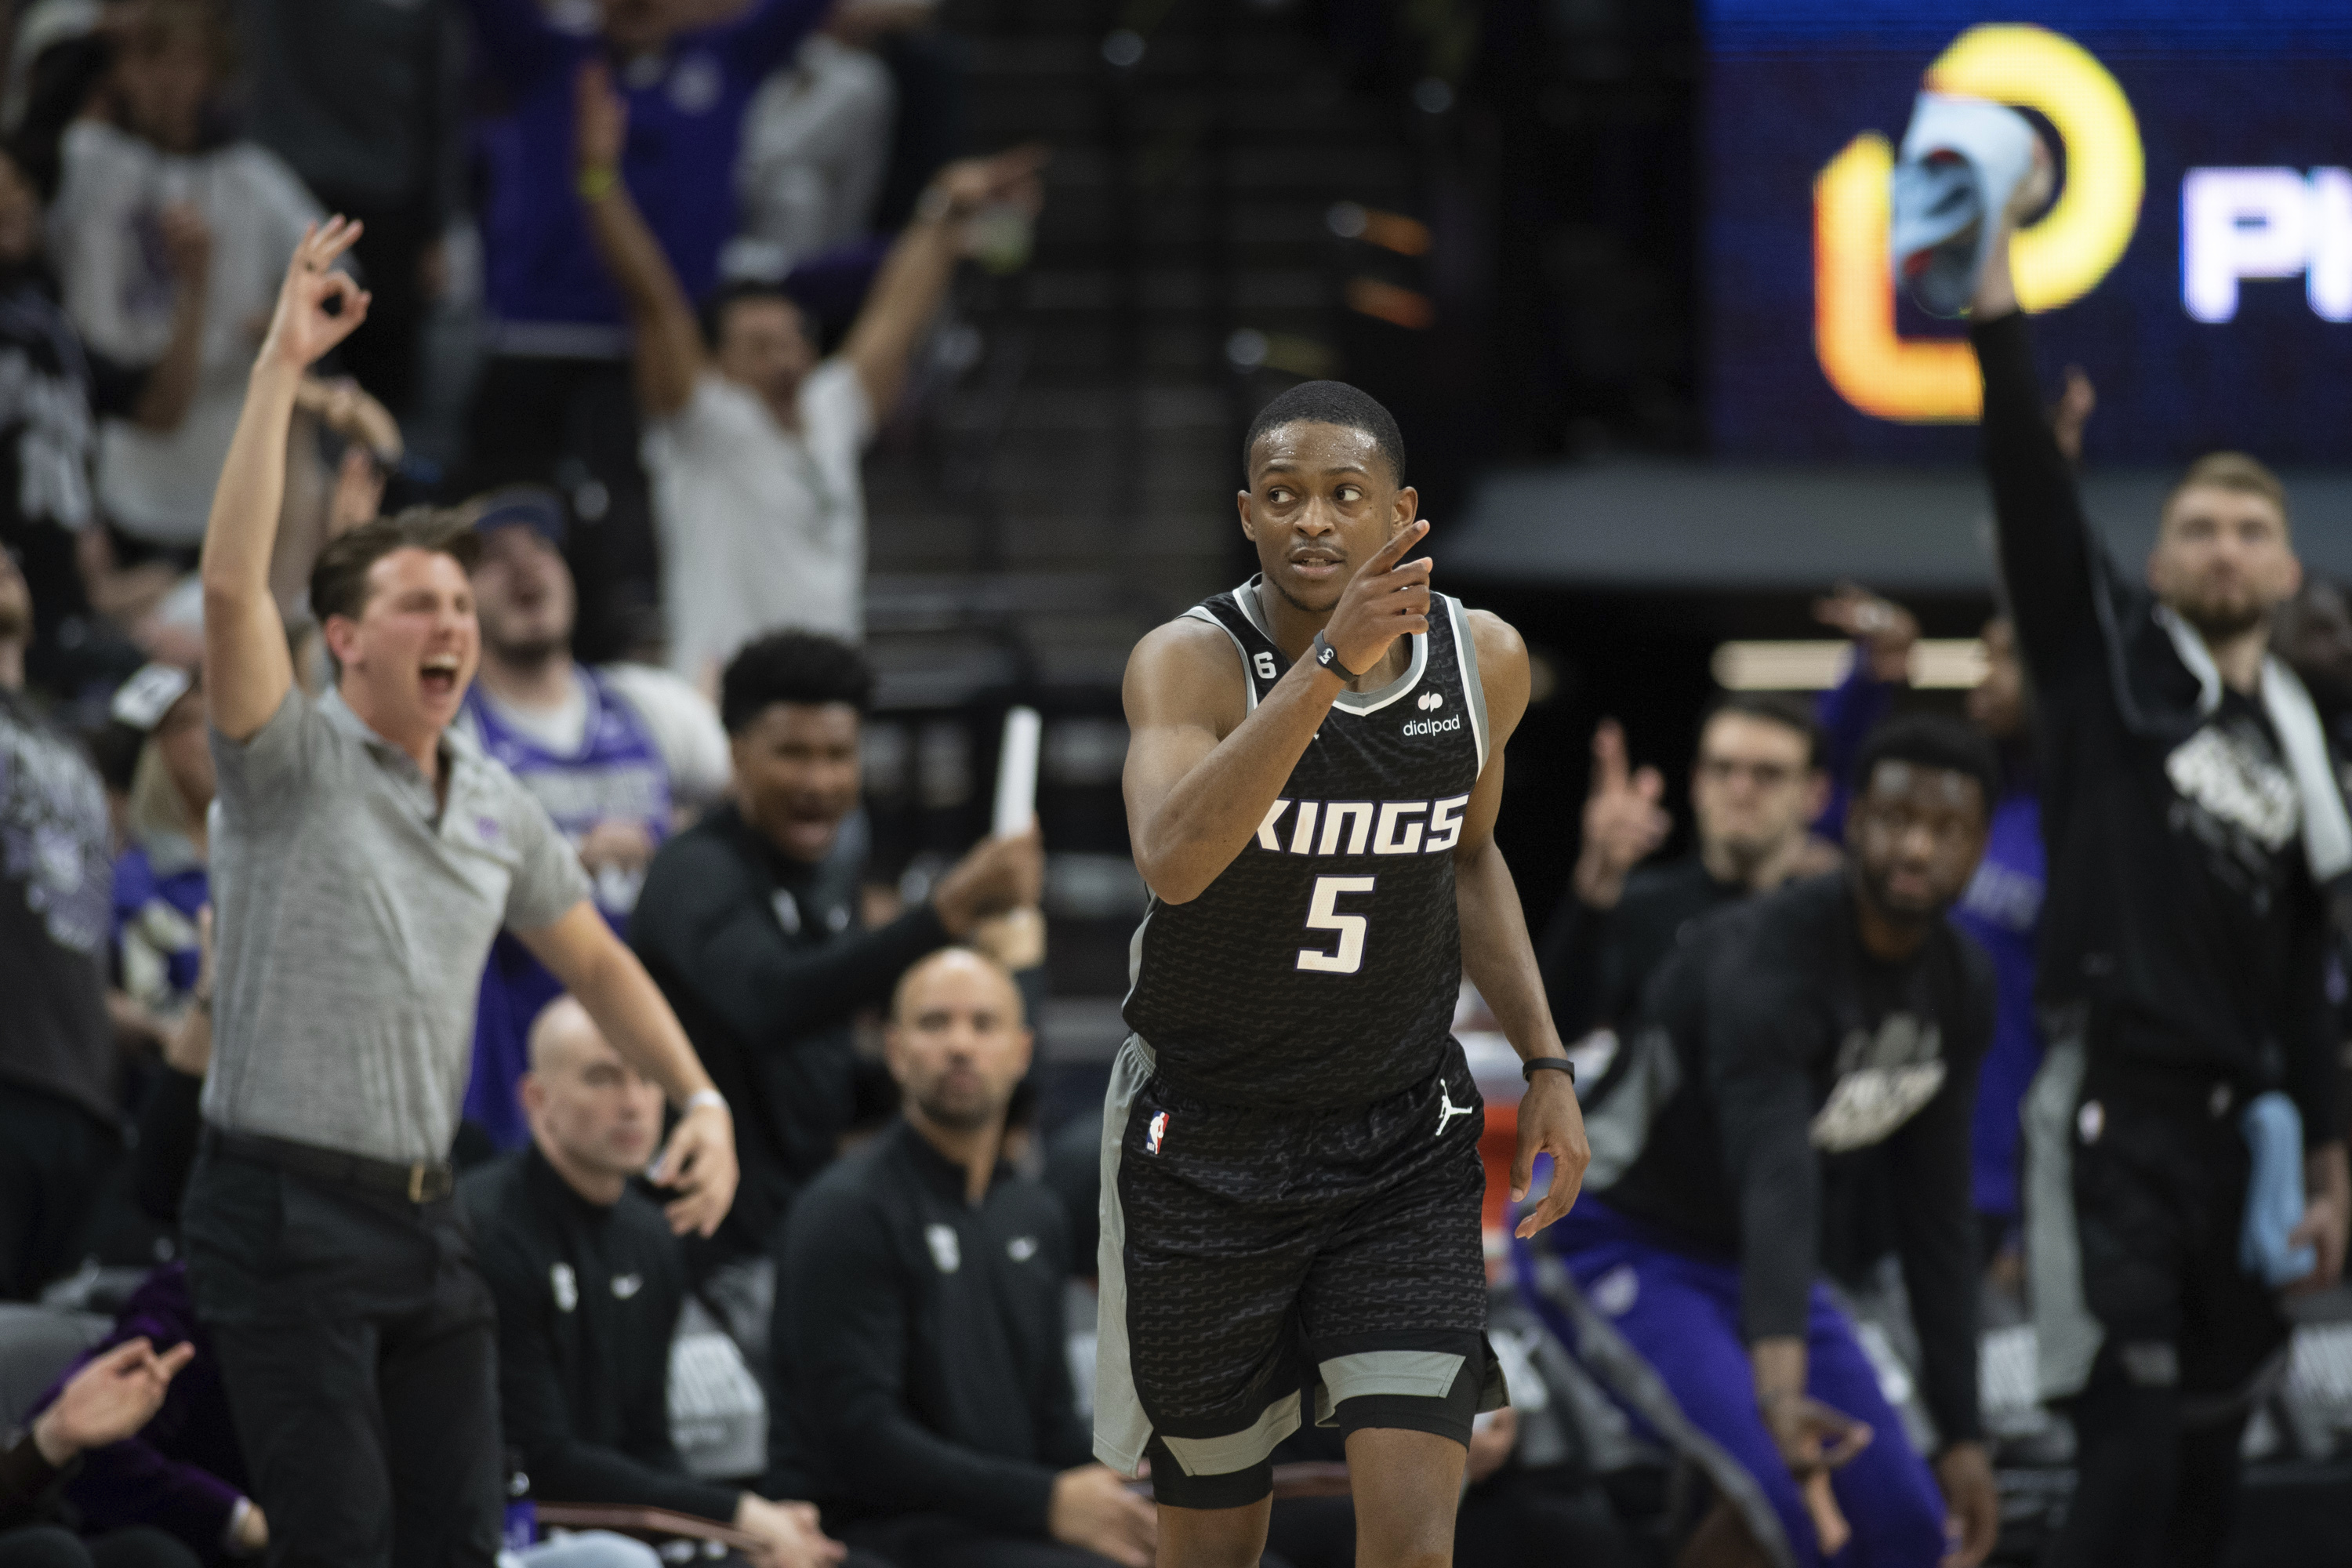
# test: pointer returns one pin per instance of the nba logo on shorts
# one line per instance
(1156, 1131)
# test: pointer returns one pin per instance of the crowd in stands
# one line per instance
(676, 208)
(709, 241)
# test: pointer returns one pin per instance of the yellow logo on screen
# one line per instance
(2058, 259)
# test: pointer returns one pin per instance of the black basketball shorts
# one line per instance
(1261, 1268)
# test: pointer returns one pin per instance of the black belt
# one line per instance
(422, 1182)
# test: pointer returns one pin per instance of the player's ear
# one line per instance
(1408, 508)
(1241, 505)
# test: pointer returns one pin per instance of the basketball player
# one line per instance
(1291, 1182)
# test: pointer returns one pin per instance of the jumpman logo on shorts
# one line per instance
(1447, 1109)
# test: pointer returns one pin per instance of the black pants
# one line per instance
(46, 1546)
(359, 1346)
(54, 1156)
(2159, 1182)
(573, 424)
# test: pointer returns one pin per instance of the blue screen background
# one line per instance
(1789, 84)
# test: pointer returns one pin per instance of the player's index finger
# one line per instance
(1388, 554)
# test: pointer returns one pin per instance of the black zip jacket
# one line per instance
(588, 1300)
(924, 1339)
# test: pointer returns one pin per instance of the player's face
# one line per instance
(524, 593)
(796, 765)
(1996, 703)
(956, 1044)
(1753, 785)
(2223, 560)
(409, 656)
(1322, 500)
(1917, 834)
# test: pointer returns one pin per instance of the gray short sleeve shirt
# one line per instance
(355, 918)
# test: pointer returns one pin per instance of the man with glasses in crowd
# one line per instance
(1756, 782)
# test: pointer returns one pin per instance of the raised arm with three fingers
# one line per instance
(246, 668)
(248, 675)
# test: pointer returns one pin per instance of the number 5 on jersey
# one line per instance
(1323, 914)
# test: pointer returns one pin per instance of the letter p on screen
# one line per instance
(2237, 223)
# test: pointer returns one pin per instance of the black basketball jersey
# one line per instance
(1321, 967)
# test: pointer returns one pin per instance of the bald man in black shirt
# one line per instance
(589, 1285)
(919, 1315)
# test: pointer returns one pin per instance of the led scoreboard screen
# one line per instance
(2197, 261)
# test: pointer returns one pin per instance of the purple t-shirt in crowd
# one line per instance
(547, 289)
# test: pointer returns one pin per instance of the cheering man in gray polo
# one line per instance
(366, 857)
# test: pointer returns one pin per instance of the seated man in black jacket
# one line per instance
(1839, 1014)
(589, 1287)
(920, 1312)
(749, 922)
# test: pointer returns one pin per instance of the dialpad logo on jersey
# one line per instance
(1883, 1081)
(1155, 1133)
(1432, 726)
(1364, 826)
(1430, 701)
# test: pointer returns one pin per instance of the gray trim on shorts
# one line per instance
(1237, 1450)
(2066, 1337)
(1622, 1370)
(1121, 1428)
(1417, 1374)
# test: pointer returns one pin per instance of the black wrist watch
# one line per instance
(1325, 655)
(1561, 1064)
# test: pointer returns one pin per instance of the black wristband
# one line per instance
(1559, 1063)
(1327, 656)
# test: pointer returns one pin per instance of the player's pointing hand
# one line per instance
(1551, 1122)
(1383, 602)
